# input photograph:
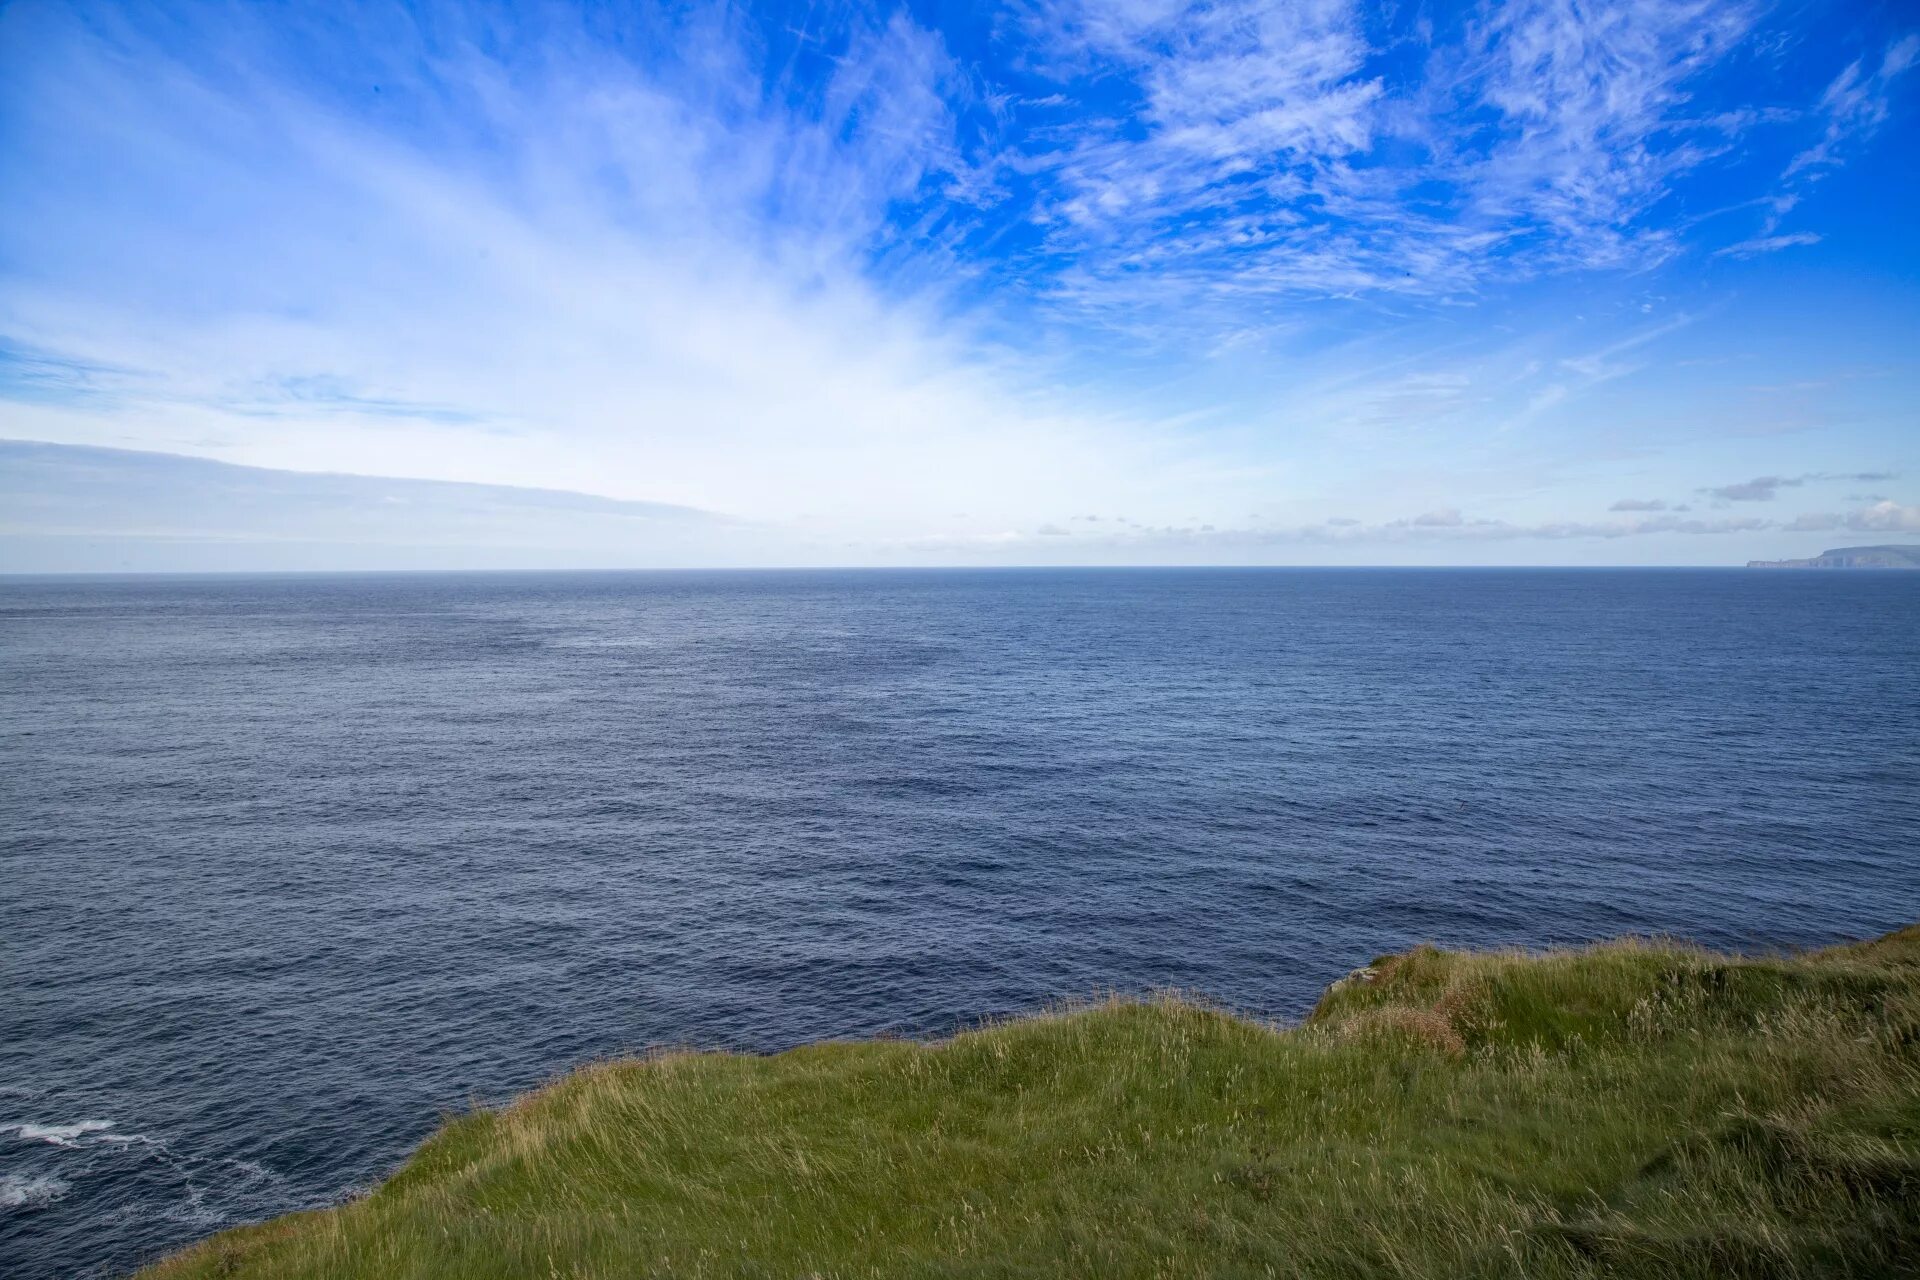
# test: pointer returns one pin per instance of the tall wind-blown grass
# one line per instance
(1626, 1109)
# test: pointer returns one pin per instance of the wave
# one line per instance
(18, 1190)
(80, 1133)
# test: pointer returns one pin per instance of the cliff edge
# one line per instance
(1628, 1109)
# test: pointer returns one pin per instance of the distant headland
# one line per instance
(1850, 558)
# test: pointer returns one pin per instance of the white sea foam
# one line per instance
(18, 1190)
(79, 1133)
(60, 1135)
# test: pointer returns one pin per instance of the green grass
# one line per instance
(1622, 1110)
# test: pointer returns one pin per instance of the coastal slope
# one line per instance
(1625, 1109)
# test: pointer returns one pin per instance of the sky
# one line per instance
(1041, 282)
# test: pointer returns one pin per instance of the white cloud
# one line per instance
(1856, 104)
(1886, 517)
(1203, 543)
(597, 300)
(1767, 244)
(1243, 107)
(1445, 518)
(1881, 517)
(1592, 101)
(1758, 489)
(696, 279)
(1766, 488)
(1250, 165)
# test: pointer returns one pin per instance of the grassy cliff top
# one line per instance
(1625, 1109)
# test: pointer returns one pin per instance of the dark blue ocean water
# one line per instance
(291, 867)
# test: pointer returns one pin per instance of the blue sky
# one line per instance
(1044, 282)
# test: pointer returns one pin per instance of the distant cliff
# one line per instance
(1850, 558)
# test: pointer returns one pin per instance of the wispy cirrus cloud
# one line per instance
(1856, 104)
(1264, 149)
(869, 267)
(1228, 118)
(1767, 244)
(1595, 118)
(575, 270)
(1852, 108)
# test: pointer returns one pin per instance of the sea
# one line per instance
(292, 868)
